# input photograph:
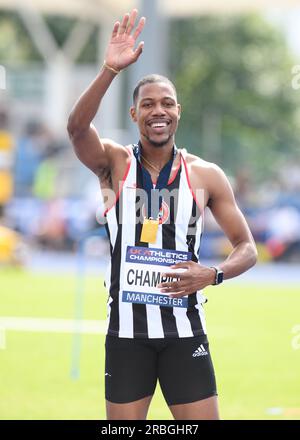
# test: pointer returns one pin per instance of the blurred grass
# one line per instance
(250, 332)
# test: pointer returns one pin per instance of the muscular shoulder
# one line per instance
(206, 175)
(196, 165)
(196, 161)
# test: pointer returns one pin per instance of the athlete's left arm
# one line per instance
(228, 215)
(226, 212)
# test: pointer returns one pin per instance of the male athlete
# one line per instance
(156, 325)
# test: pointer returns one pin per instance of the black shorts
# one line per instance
(182, 365)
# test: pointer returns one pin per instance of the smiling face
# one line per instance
(157, 113)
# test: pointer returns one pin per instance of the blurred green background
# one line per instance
(236, 68)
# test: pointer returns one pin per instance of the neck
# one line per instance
(158, 156)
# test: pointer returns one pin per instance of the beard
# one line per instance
(158, 144)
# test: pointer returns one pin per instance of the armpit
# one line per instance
(105, 177)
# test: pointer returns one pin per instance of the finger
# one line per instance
(124, 24)
(182, 265)
(115, 29)
(172, 275)
(139, 28)
(186, 290)
(138, 50)
(173, 289)
(169, 285)
(176, 286)
(132, 19)
(166, 284)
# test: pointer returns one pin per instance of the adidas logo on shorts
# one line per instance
(200, 351)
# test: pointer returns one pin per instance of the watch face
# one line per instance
(220, 276)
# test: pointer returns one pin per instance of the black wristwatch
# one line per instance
(219, 275)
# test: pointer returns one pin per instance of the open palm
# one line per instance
(120, 52)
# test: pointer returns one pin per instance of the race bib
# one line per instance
(143, 271)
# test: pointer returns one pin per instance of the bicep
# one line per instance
(226, 211)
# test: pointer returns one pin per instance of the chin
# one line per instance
(159, 143)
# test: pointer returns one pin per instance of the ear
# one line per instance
(179, 110)
(133, 114)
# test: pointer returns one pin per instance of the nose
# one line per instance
(158, 109)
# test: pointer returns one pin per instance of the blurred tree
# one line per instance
(61, 26)
(233, 76)
(16, 45)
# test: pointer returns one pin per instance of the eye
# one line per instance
(147, 104)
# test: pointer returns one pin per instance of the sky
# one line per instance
(289, 21)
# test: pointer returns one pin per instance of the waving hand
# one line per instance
(121, 50)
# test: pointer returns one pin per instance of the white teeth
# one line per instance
(159, 124)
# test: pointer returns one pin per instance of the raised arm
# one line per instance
(90, 149)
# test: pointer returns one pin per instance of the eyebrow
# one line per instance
(152, 99)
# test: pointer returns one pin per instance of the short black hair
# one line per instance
(151, 79)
